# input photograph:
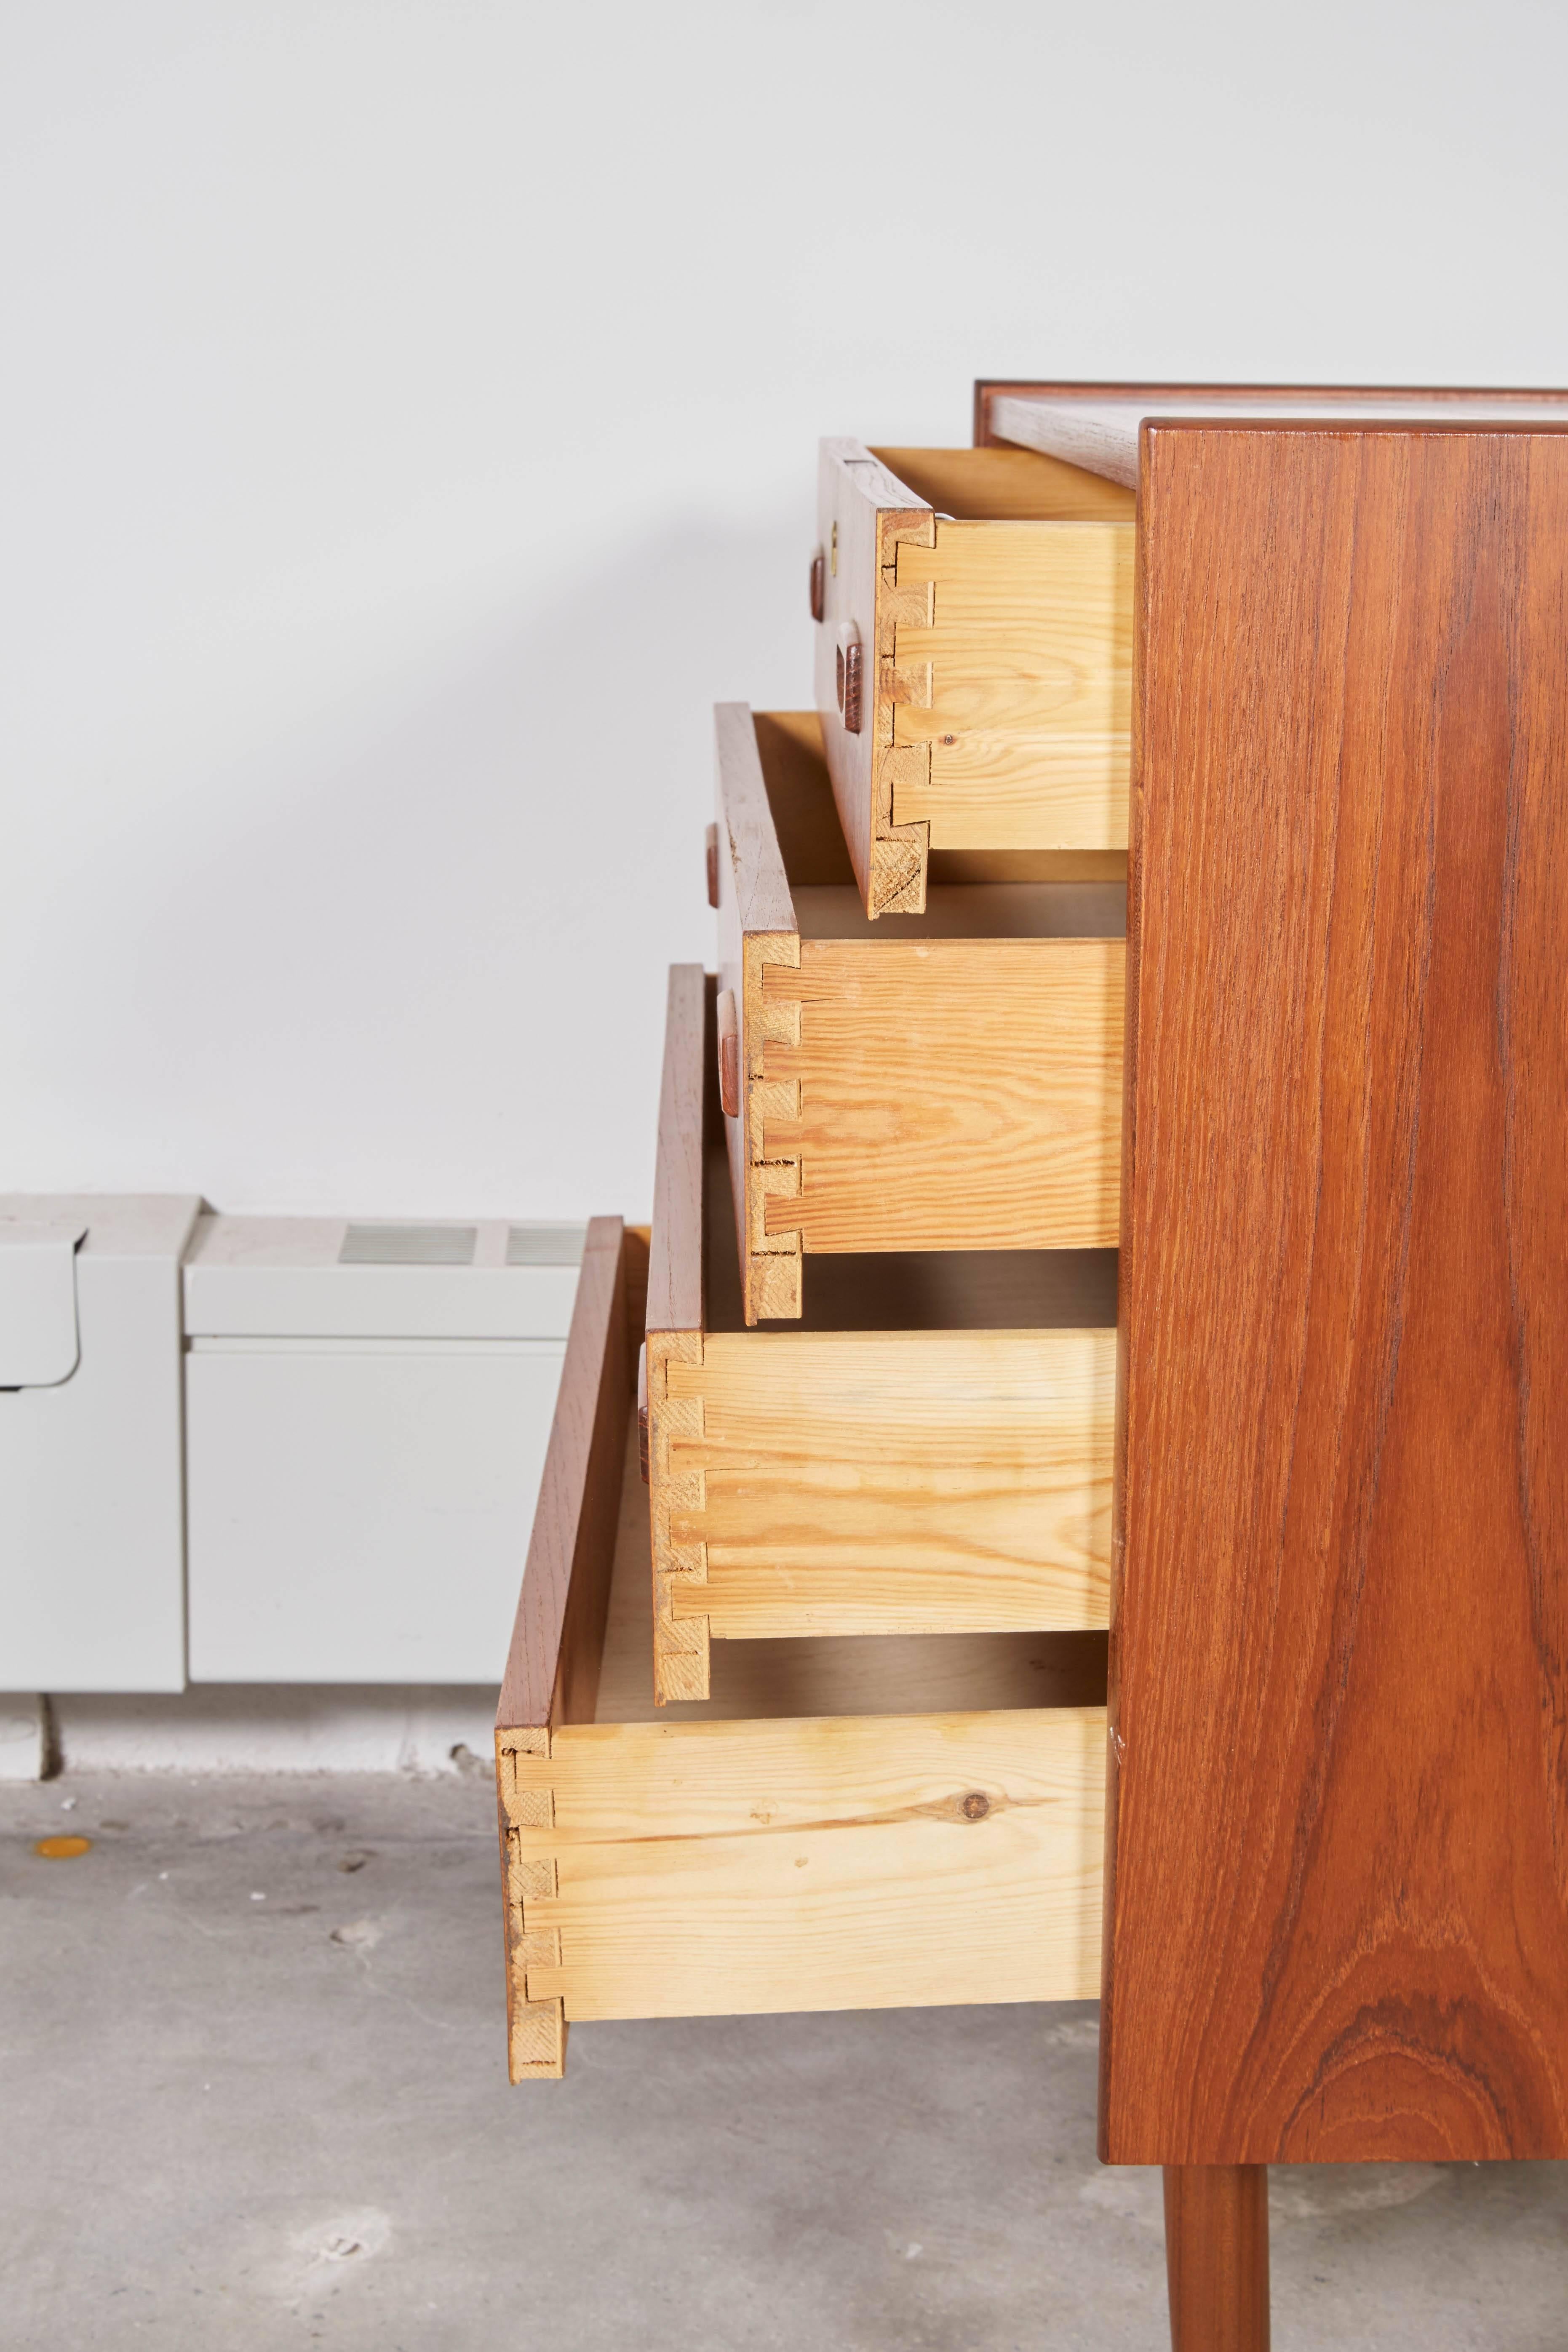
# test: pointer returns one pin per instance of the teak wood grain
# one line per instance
(1337, 1891)
(1216, 2257)
(558, 1631)
(903, 1467)
(558, 1635)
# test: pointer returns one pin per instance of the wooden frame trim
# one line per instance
(757, 928)
(880, 513)
(674, 1244)
(1109, 445)
(675, 1322)
(990, 388)
(553, 1662)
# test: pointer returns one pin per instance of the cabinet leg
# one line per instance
(1216, 2257)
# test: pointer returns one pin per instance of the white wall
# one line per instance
(410, 410)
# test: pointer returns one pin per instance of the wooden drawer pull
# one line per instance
(848, 670)
(728, 1055)
(712, 866)
(818, 585)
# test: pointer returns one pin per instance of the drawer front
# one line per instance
(987, 597)
(863, 513)
(767, 1849)
(900, 1088)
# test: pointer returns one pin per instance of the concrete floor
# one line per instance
(253, 2095)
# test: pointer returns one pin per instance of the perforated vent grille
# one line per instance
(545, 1244)
(408, 1245)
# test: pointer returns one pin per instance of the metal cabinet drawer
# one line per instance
(367, 1409)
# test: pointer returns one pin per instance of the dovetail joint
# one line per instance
(773, 1285)
(536, 2029)
(896, 884)
(678, 1494)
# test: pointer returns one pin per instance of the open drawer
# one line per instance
(973, 660)
(843, 1824)
(929, 1450)
(950, 1080)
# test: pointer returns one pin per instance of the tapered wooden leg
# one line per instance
(1216, 2257)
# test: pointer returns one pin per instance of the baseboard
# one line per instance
(258, 1728)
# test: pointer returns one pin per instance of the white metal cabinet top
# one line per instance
(305, 1277)
(118, 1224)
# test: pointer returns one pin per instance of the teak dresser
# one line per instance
(824, 1716)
